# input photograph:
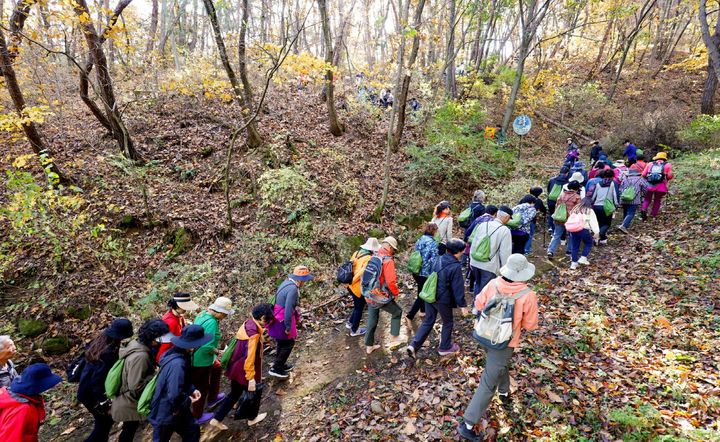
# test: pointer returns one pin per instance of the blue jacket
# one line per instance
(450, 282)
(630, 152)
(91, 389)
(171, 401)
(481, 219)
(428, 249)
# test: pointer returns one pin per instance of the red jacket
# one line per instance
(388, 277)
(20, 417)
(176, 324)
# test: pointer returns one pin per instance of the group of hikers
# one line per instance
(170, 373)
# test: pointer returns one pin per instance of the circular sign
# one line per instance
(522, 125)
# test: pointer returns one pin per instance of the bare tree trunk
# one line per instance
(153, 27)
(707, 105)
(263, 20)
(601, 50)
(335, 127)
(450, 83)
(369, 45)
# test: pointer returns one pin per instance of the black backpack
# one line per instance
(75, 368)
(345, 273)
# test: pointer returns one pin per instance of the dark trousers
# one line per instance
(604, 221)
(102, 427)
(587, 239)
(431, 312)
(129, 428)
(551, 210)
(359, 304)
(482, 277)
(207, 381)
(284, 348)
(187, 429)
(419, 304)
(236, 391)
(518, 242)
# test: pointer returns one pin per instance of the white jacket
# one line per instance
(445, 226)
(500, 245)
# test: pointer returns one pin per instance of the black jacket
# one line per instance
(91, 390)
(450, 283)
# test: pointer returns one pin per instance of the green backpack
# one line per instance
(555, 192)
(429, 289)
(482, 251)
(561, 213)
(415, 262)
(465, 215)
(628, 195)
(227, 354)
(143, 406)
(608, 206)
(113, 380)
(515, 221)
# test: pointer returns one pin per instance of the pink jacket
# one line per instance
(525, 315)
(662, 186)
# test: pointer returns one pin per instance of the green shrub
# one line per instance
(698, 180)
(286, 189)
(636, 424)
(704, 131)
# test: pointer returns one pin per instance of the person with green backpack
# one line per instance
(632, 190)
(491, 247)
(447, 293)
(565, 204)
(474, 210)
(554, 189)
(426, 252)
(605, 201)
(138, 367)
(444, 221)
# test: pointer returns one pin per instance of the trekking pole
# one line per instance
(544, 229)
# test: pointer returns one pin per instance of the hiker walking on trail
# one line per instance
(595, 151)
(428, 250)
(657, 174)
(138, 369)
(522, 306)
(7, 368)
(206, 371)
(180, 304)
(491, 248)
(489, 215)
(630, 150)
(100, 355)
(521, 233)
(284, 328)
(443, 219)
(244, 369)
(554, 189)
(474, 210)
(580, 178)
(539, 209)
(449, 294)
(632, 190)
(640, 164)
(583, 227)
(170, 407)
(359, 262)
(379, 286)
(22, 407)
(605, 200)
(571, 145)
(565, 203)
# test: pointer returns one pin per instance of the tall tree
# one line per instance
(152, 32)
(450, 83)
(335, 127)
(712, 42)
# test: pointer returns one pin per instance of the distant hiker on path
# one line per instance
(632, 190)
(566, 203)
(605, 200)
(539, 210)
(521, 233)
(658, 174)
(359, 262)
(584, 228)
(595, 151)
(443, 219)
(630, 150)
(287, 315)
(428, 250)
(180, 304)
(554, 189)
(489, 215)
(495, 376)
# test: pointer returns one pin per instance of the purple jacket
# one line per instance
(246, 360)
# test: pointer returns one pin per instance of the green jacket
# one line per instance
(205, 355)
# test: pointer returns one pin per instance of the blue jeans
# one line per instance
(557, 236)
(629, 211)
(528, 244)
(431, 312)
(586, 238)
(482, 277)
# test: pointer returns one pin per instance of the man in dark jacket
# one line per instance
(488, 215)
(450, 294)
(561, 179)
(595, 151)
(170, 406)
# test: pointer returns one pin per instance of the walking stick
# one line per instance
(544, 229)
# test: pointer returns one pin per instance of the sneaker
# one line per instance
(643, 215)
(348, 325)
(217, 424)
(452, 350)
(359, 332)
(371, 348)
(281, 374)
(623, 229)
(550, 255)
(603, 242)
(505, 399)
(584, 261)
(217, 400)
(395, 342)
(563, 242)
(468, 433)
(410, 351)
(259, 418)
(574, 265)
(205, 418)
(289, 367)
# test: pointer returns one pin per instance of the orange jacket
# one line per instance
(525, 315)
(360, 260)
(388, 277)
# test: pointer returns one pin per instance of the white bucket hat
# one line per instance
(518, 268)
(222, 305)
(577, 176)
(392, 242)
(372, 244)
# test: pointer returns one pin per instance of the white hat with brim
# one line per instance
(185, 303)
(222, 305)
(392, 242)
(577, 176)
(518, 268)
(372, 244)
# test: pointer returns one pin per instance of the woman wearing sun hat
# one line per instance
(512, 281)
(284, 328)
(360, 260)
(657, 173)
(175, 317)
(22, 408)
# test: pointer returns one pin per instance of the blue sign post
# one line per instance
(521, 126)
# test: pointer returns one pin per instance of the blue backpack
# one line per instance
(656, 174)
(370, 282)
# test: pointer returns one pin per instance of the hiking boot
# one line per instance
(623, 229)
(371, 348)
(468, 433)
(584, 261)
(348, 325)
(395, 342)
(359, 332)
(205, 418)
(452, 350)
(289, 367)
(643, 215)
(410, 351)
(259, 418)
(218, 399)
(281, 374)
(217, 424)
(573, 265)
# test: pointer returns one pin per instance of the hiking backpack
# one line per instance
(113, 380)
(482, 252)
(515, 221)
(628, 195)
(143, 406)
(575, 222)
(344, 273)
(465, 217)
(370, 282)
(494, 326)
(429, 289)
(561, 213)
(415, 262)
(75, 368)
(656, 174)
(555, 192)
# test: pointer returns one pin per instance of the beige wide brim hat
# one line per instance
(577, 176)
(222, 305)
(372, 244)
(392, 242)
(518, 268)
